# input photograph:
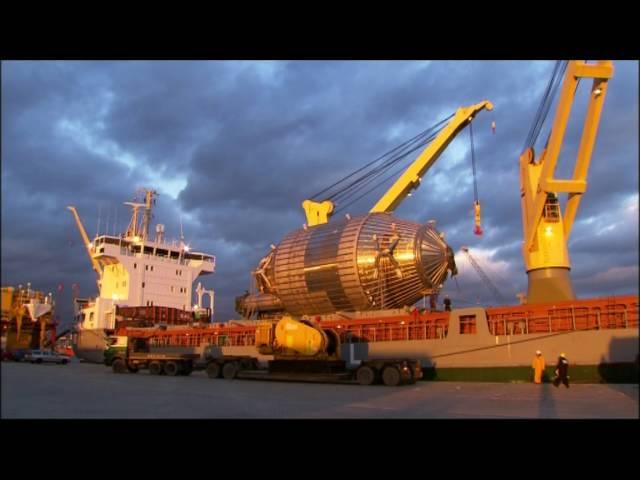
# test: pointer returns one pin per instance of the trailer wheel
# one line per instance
(214, 370)
(391, 376)
(411, 380)
(246, 364)
(171, 369)
(230, 370)
(119, 366)
(155, 368)
(365, 375)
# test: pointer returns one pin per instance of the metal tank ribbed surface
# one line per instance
(363, 263)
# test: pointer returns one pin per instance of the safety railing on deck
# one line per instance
(218, 338)
(596, 314)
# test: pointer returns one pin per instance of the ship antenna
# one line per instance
(181, 233)
(106, 226)
(99, 212)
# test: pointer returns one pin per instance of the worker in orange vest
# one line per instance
(538, 367)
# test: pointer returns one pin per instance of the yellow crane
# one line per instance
(546, 228)
(318, 213)
(87, 244)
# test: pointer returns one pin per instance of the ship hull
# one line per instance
(89, 345)
(584, 348)
(479, 353)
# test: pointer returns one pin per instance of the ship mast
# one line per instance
(134, 231)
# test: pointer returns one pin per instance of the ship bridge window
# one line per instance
(135, 265)
(467, 324)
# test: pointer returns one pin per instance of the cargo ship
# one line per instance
(141, 281)
(363, 276)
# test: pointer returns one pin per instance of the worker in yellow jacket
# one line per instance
(538, 367)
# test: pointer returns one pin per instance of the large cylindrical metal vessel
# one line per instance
(370, 262)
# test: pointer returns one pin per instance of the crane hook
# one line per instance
(476, 217)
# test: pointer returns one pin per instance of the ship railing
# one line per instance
(607, 314)
(163, 258)
(505, 321)
(221, 339)
(394, 331)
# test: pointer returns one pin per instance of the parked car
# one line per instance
(18, 355)
(42, 356)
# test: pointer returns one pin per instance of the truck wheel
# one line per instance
(213, 370)
(119, 366)
(171, 369)
(411, 380)
(391, 376)
(230, 370)
(365, 375)
(155, 368)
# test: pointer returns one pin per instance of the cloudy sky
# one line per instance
(233, 147)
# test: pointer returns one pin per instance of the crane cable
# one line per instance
(392, 157)
(403, 150)
(345, 202)
(545, 104)
(476, 201)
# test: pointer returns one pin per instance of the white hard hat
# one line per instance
(538, 352)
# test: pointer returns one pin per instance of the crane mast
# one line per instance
(546, 233)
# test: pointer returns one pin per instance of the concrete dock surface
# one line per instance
(80, 390)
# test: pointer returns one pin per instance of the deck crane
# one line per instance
(319, 212)
(487, 281)
(97, 267)
(546, 233)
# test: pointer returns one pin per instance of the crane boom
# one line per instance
(318, 213)
(87, 243)
(412, 176)
(484, 276)
(546, 235)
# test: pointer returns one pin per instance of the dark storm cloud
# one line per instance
(241, 144)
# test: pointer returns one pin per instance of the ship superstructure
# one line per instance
(135, 270)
